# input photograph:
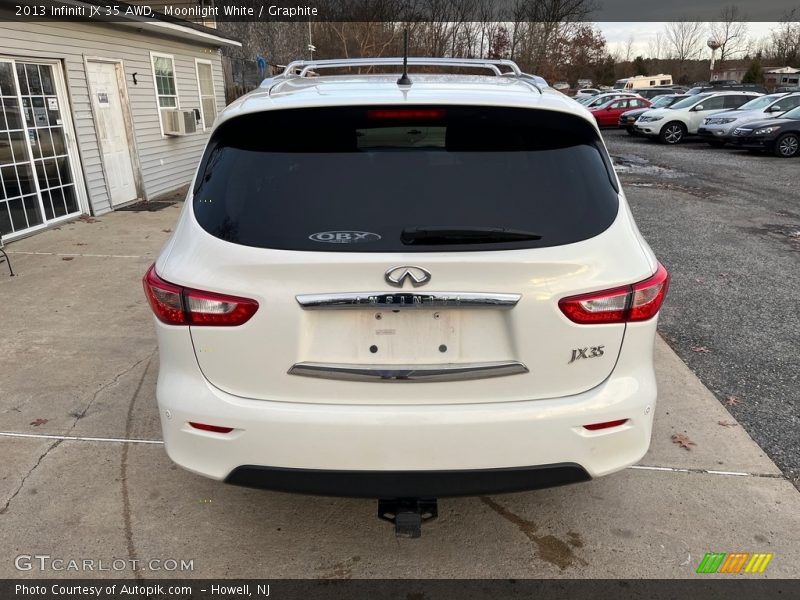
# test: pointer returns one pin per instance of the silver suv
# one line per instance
(717, 128)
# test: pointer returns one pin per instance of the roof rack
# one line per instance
(302, 68)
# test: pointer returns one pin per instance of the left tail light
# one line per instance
(176, 305)
(638, 302)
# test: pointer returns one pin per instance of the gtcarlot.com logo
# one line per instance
(734, 562)
(45, 562)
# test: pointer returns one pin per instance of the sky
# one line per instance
(617, 34)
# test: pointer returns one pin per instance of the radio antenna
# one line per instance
(404, 79)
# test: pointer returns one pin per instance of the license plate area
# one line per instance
(409, 336)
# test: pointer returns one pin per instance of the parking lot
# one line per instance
(85, 475)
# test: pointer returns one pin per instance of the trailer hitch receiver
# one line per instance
(408, 514)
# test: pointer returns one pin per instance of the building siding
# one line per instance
(166, 163)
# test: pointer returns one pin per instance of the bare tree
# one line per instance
(785, 39)
(684, 39)
(629, 48)
(655, 48)
(730, 32)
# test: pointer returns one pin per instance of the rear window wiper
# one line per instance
(464, 235)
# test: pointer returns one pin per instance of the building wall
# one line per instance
(166, 163)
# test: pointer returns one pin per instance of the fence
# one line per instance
(241, 76)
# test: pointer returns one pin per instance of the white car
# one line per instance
(717, 129)
(672, 124)
(405, 292)
(586, 92)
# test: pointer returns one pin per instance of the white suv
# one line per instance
(405, 291)
(672, 124)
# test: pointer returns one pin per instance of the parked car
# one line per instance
(727, 87)
(586, 92)
(718, 127)
(628, 118)
(654, 92)
(384, 349)
(672, 124)
(601, 99)
(779, 135)
(607, 115)
(561, 86)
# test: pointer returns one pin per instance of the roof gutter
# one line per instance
(160, 25)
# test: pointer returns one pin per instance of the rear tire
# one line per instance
(631, 131)
(787, 146)
(672, 133)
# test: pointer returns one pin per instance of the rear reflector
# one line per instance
(177, 305)
(406, 114)
(638, 302)
(606, 425)
(214, 428)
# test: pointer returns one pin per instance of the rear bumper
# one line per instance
(397, 450)
(406, 484)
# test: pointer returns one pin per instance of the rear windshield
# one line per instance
(359, 179)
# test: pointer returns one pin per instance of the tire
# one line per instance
(787, 146)
(672, 133)
(716, 143)
(631, 131)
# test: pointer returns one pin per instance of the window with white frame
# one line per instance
(165, 85)
(205, 84)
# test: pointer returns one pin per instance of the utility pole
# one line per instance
(311, 47)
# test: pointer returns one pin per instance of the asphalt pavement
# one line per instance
(726, 224)
(84, 475)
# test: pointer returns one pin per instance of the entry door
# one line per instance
(37, 184)
(112, 132)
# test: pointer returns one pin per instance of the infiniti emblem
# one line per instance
(397, 276)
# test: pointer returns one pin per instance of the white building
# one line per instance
(95, 116)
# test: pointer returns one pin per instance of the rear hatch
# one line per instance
(408, 254)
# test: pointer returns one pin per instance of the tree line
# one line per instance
(552, 38)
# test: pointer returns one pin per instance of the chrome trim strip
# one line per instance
(443, 372)
(407, 300)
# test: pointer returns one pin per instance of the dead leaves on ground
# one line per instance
(727, 424)
(700, 349)
(732, 401)
(38, 422)
(682, 440)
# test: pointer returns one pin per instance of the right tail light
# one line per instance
(638, 302)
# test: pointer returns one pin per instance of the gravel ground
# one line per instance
(727, 226)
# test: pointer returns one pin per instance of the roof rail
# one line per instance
(300, 68)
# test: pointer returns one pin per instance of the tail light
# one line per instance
(176, 305)
(638, 302)
(406, 113)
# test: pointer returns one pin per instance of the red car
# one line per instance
(607, 115)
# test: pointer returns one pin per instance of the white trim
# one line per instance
(74, 159)
(205, 61)
(179, 31)
(159, 108)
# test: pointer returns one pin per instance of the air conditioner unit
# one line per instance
(179, 122)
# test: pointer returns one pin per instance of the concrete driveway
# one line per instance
(78, 360)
